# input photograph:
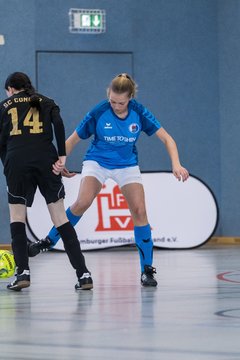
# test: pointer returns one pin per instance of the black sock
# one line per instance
(72, 248)
(19, 246)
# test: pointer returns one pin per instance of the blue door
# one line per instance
(78, 81)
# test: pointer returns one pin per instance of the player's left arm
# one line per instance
(4, 131)
(178, 170)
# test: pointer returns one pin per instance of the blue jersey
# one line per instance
(114, 142)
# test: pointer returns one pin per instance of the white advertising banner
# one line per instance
(181, 215)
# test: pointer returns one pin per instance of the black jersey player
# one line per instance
(28, 123)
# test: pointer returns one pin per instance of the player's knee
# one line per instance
(79, 207)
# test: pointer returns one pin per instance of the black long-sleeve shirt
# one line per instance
(25, 129)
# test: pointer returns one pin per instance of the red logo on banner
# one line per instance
(113, 212)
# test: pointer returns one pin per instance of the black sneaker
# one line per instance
(147, 277)
(34, 248)
(84, 282)
(21, 281)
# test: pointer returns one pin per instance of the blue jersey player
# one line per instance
(115, 125)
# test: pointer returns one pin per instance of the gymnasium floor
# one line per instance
(194, 313)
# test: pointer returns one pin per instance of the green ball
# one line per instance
(7, 264)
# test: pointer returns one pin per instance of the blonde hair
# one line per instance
(123, 83)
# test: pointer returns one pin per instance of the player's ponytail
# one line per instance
(21, 81)
(123, 83)
(34, 98)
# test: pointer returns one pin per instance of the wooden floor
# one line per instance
(194, 313)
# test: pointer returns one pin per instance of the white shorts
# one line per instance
(121, 176)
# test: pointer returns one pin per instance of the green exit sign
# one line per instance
(87, 21)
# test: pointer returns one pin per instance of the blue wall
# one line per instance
(229, 124)
(185, 61)
(17, 25)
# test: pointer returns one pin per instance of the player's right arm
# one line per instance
(71, 142)
(59, 165)
(83, 131)
(59, 130)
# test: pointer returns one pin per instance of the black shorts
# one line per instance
(24, 175)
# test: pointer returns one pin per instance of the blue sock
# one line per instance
(54, 235)
(144, 243)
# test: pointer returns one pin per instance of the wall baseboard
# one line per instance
(221, 240)
(5, 247)
(228, 240)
